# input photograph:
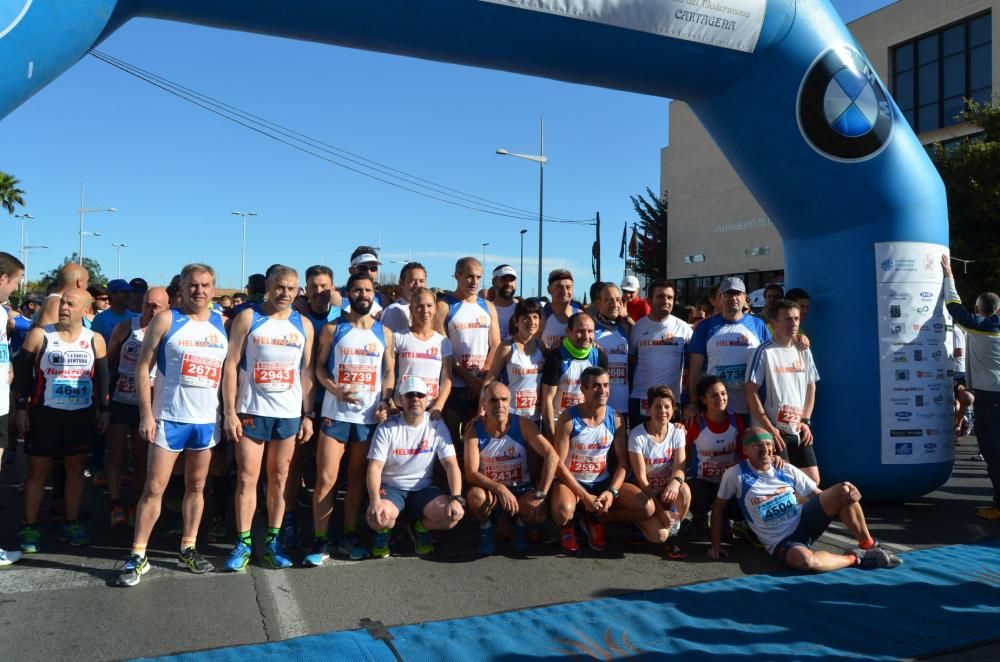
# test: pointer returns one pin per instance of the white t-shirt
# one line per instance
(657, 455)
(659, 350)
(614, 342)
(408, 452)
(783, 375)
(769, 504)
(4, 364)
(396, 316)
(958, 343)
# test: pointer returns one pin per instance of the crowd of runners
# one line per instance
(539, 418)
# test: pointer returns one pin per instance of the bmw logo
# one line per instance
(11, 13)
(843, 110)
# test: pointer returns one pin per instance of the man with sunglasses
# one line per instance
(400, 470)
(364, 260)
(120, 293)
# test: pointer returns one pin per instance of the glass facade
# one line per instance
(934, 73)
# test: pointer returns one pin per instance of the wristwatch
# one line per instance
(540, 494)
(613, 491)
(806, 420)
(680, 481)
(459, 498)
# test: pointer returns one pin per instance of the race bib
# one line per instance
(618, 373)
(125, 385)
(4, 353)
(473, 362)
(525, 400)
(432, 388)
(504, 472)
(789, 417)
(569, 399)
(71, 391)
(200, 371)
(586, 468)
(644, 406)
(711, 471)
(732, 375)
(274, 376)
(359, 377)
(778, 509)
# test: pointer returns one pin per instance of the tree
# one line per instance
(651, 252)
(97, 276)
(10, 194)
(971, 172)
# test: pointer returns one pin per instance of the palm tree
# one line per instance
(10, 194)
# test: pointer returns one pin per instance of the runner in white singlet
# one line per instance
(561, 308)
(268, 386)
(188, 346)
(496, 469)
(518, 361)
(504, 299)
(424, 353)
(611, 334)
(396, 316)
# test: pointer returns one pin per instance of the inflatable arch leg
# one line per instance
(783, 89)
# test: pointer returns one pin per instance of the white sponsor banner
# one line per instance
(917, 408)
(733, 24)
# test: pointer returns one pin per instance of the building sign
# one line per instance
(917, 408)
(733, 24)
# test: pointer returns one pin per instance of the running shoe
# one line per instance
(31, 539)
(567, 540)
(319, 553)
(290, 533)
(118, 517)
(132, 571)
(521, 537)
(193, 561)
(675, 551)
(423, 542)
(876, 557)
(743, 531)
(276, 556)
(239, 558)
(100, 480)
(594, 532)
(380, 544)
(7, 558)
(487, 539)
(349, 547)
(216, 531)
(988, 512)
(75, 534)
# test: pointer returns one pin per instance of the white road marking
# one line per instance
(850, 542)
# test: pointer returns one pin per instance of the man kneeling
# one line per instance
(788, 512)
(400, 465)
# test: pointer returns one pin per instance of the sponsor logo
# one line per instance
(896, 329)
(906, 433)
(904, 449)
(936, 354)
(926, 296)
(899, 358)
(918, 355)
(918, 400)
(938, 399)
(887, 265)
(11, 13)
(902, 375)
(930, 446)
(904, 414)
(895, 310)
(931, 432)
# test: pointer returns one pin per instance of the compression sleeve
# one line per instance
(24, 369)
(102, 382)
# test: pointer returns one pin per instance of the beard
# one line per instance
(361, 307)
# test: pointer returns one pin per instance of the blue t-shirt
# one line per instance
(727, 346)
(106, 321)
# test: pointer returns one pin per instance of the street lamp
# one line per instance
(21, 241)
(520, 281)
(118, 248)
(83, 211)
(485, 244)
(541, 160)
(243, 257)
(27, 251)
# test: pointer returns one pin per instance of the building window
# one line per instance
(934, 73)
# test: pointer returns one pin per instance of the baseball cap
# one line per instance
(559, 274)
(139, 284)
(119, 285)
(411, 384)
(365, 258)
(504, 270)
(35, 298)
(630, 284)
(732, 285)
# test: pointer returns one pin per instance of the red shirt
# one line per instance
(637, 308)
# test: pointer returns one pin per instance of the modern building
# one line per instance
(930, 54)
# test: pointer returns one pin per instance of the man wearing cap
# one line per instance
(722, 345)
(364, 260)
(400, 469)
(560, 388)
(504, 289)
(135, 301)
(396, 315)
(561, 308)
(657, 348)
(789, 513)
(636, 306)
(119, 292)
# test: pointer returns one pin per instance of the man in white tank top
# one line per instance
(123, 353)
(61, 381)
(267, 399)
(612, 329)
(188, 345)
(470, 324)
(504, 299)
(586, 434)
(356, 366)
(396, 315)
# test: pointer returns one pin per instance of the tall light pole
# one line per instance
(520, 273)
(27, 252)
(118, 248)
(541, 160)
(22, 240)
(485, 244)
(243, 256)
(83, 210)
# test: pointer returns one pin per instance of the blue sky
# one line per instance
(175, 172)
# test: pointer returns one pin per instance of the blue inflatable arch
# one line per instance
(784, 91)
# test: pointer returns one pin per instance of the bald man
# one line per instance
(123, 352)
(71, 276)
(61, 385)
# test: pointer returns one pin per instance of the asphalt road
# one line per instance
(59, 604)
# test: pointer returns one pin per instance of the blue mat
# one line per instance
(939, 599)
